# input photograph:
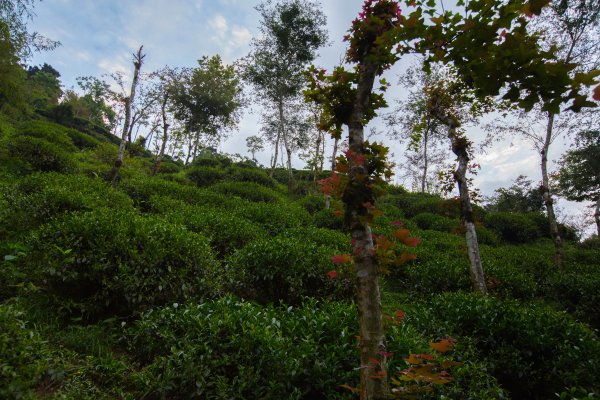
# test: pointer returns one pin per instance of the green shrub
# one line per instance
(247, 190)
(321, 237)
(533, 351)
(229, 349)
(593, 242)
(82, 140)
(141, 189)
(39, 197)
(328, 219)
(576, 290)
(512, 227)
(274, 217)
(240, 174)
(312, 203)
(23, 354)
(50, 132)
(226, 231)
(435, 222)
(40, 155)
(486, 236)
(169, 167)
(212, 160)
(109, 262)
(284, 269)
(205, 176)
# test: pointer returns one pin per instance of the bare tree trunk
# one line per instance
(459, 147)
(322, 155)
(317, 154)
(333, 156)
(274, 164)
(165, 126)
(373, 383)
(425, 160)
(597, 216)
(189, 154)
(559, 251)
(137, 63)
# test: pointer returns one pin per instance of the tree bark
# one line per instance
(559, 251)
(274, 164)
(165, 126)
(317, 154)
(137, 63)
(425, 160)
(597, 216)
(373, 382)
(459, 147)
(333, 156)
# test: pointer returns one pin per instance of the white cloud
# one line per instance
(219, 24)
(240, 36)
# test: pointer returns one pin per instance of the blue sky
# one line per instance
(99, 36)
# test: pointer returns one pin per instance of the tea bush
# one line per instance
(274, 217)
(50, 132)
(250, 191)
(328, 219)
(205, 176)
(513, 227)
(241, 174)
(312, 203)
(284, 269)
(40, 155)
(532, 350)
(116, 262)
(436, 222)
(321, 236)
(141, 189)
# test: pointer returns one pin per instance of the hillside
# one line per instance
(214, 280)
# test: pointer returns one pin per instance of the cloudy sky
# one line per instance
(99, 36)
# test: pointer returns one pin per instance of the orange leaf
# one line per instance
(401, 234)
(414, 359)
(332, 274)
(411, 242)
(443, 346)
(341, 259)
(374, 361)
(350, 388)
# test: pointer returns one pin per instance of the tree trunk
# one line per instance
(137, 63)
(317, 154)
(597, 216)
(289, 166)
(274, 164)
(425, 160)
(559, 252)
(165, 126)
(333, 156)
(459, 147)
(373, 382)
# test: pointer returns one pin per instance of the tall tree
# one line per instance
(207, 100)
(12, 75)
(291, 33)
(469, 40)
(254, 144)
(520, 197)
(138, 59)
(579, 173)
(570, 27)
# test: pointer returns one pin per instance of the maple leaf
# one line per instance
(341, 259)
(443, 346)
(399, 315)
(332, 274)
(397, 223)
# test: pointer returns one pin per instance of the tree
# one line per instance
(470, 42)
(254, 144)
(570, 27)
(15, 14)
(579, 173)
(138, 59)
(207, 101)
(520, 197)
(43, 86)
(95, 103)
(291, 33)
(412, 122)
(11, 74)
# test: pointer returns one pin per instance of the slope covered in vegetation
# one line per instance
(213, 280)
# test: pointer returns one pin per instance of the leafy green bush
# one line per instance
(284, 269)
(40, 155)
(205, 176)
(141, 189)
(533, 351)
(320, 236)
(42, 196)
(512, 227)
(236, 350)
(486, 236)
(312, 203)
(169, 167)
(48, 131)
(274, 217)
(256, 175)
(23, 355)
(247, 190)
(328, 219)
(83, 140)
(109, 262)
(226, 231)
(435, 222)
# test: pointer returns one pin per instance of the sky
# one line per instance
(99, 36)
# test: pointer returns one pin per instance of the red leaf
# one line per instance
(374, 361)
(399, 315)
(341, 259)
(338, 213)
(411, 242)
(597, 93)
(397, 223)
(332, 274)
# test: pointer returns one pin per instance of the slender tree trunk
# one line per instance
(322, 155)
(597, 216)
(333, 156)
(289, 166)
(165, 126)
(425, 160)
(189, 154)
(559, 251)
(137, 63)
(459, 147)
(373, 383)
(274, 164)
(317, 154)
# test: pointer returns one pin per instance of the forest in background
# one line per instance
(151, 266)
